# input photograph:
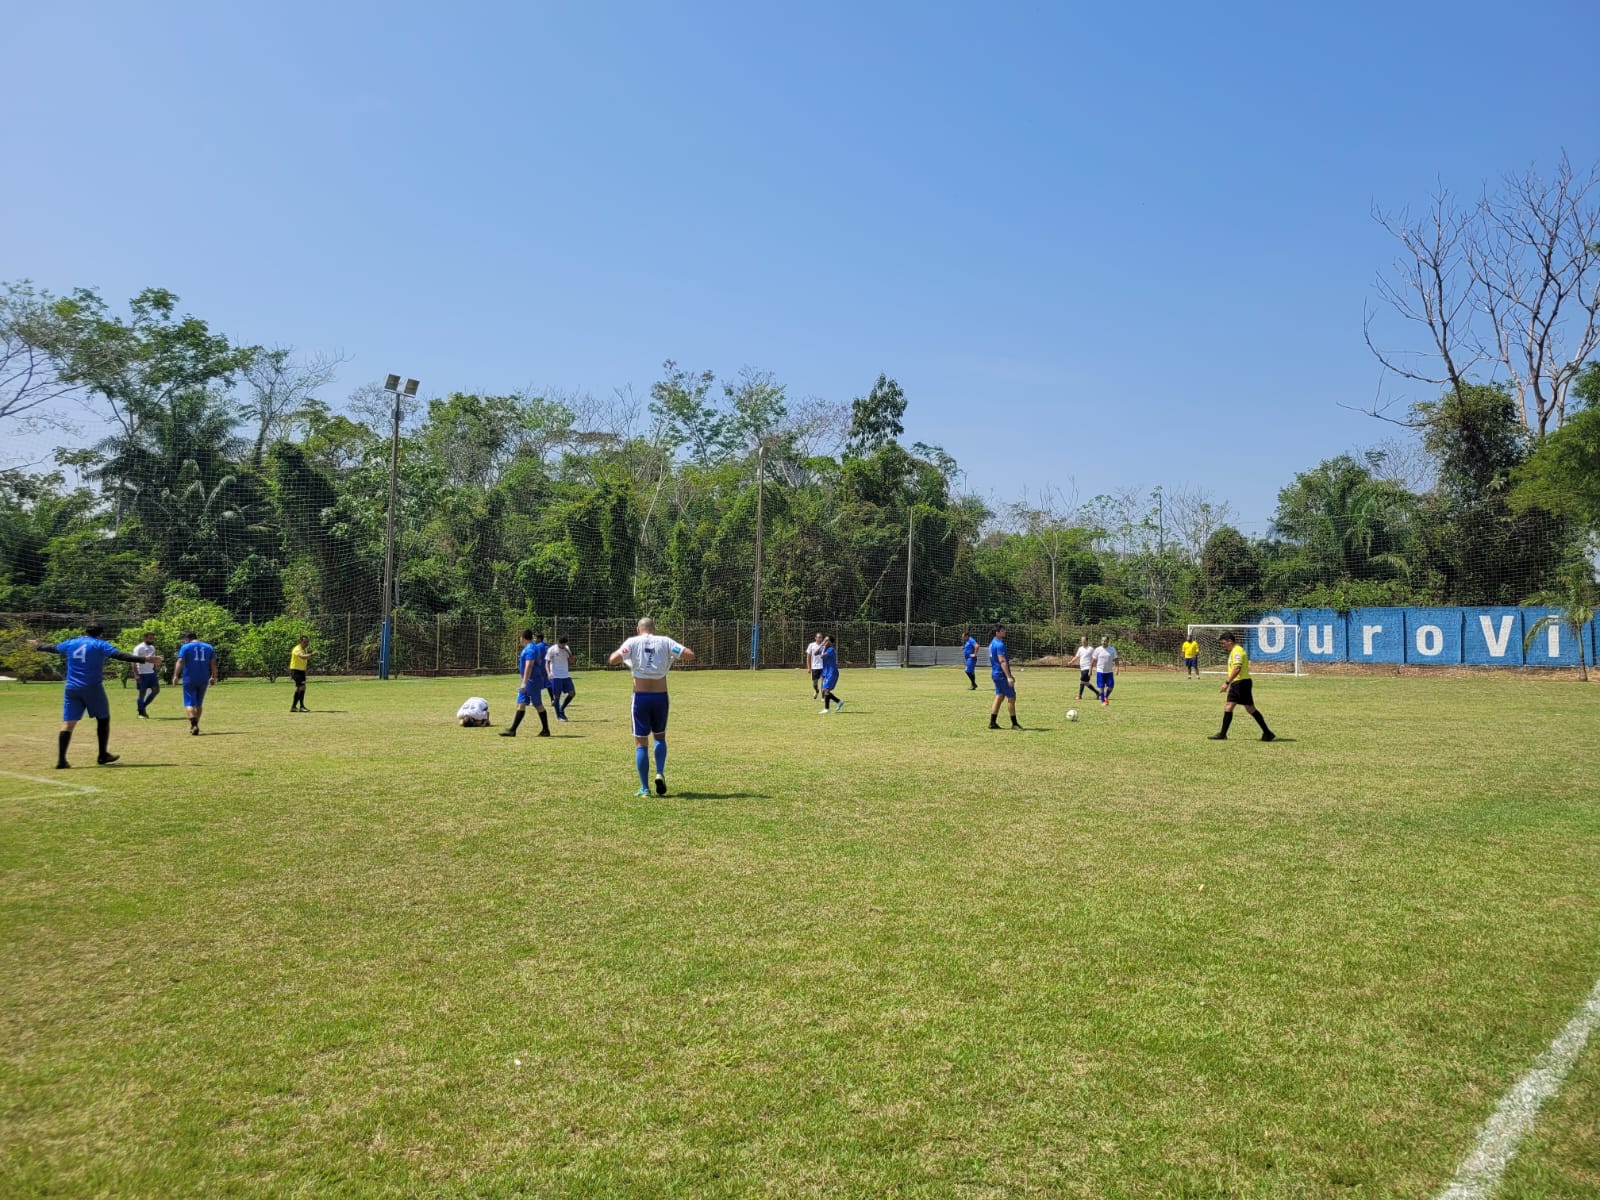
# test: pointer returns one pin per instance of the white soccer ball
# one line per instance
(1072, 714)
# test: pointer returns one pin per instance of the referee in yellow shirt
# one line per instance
(1239, 690)
(299, 661)
(1191, 657)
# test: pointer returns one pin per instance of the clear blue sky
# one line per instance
(1092, 244)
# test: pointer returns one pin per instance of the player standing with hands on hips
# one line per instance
(1239, 691)
(650, 656)
(85, 689)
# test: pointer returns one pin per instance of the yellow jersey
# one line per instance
(298, 658)
(1238, 661)
(1191, 649)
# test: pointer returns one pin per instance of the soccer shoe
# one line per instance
(661, 784)
(838, 704)
(508, 733)
(1218, 737)
(994, 724)
(143, 716)
(644, 791)
(1269, 736)
(194, 731)
(542, 733)
(63, 765)
(105, 760)
(822, 712)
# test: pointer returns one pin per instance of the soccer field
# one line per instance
(883, 952)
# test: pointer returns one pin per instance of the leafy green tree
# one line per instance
(264, 647)
(876, 419)
(1563, 475)
(1578, 598)
(1346, 524)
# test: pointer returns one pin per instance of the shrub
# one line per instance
(264, 647)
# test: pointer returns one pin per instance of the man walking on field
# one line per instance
(1105, 670)
(1239, 691)
(1005, 683)
(1085, 666)
(650, 656)
(813, 658)
(532, 685)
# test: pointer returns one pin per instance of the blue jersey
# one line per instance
(996, 649)
(830, 667)
(534, 652)
(969, 651)
(197, 658)
(86, 660)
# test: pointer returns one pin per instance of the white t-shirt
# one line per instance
(557, 662)
(144, 649)
(1085, 657)
(475, 709)
(650, 655)
(1104, 659)
(815, 651)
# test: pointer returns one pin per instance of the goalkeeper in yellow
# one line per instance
(1239, 691)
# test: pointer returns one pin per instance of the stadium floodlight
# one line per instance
(1273, 646)
(386, 637)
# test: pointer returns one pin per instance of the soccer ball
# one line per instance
(1072, 714)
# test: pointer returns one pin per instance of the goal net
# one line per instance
(1273, 647)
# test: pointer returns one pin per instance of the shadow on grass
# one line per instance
(128, 766)
(713, 796)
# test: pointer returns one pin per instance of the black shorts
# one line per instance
(1083, 677)
(816, 673)
(299, 677)
(1239, 693)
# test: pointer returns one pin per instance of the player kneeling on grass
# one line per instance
(650, 656)
(1239, 691)
(85, 690)
(534, 681)
(474, 714)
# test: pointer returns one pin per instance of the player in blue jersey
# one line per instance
(85, 691)
(650, 656)
(830, 673)
(196, 670)
(534, 680)
(1005, 683)
(969, 655)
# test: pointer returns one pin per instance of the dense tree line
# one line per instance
(224, 475)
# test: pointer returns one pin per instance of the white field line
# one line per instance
(1479, 1173)
(54, 787)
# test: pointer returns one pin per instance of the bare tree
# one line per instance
(1512, 281)
(1194, 515)
(276, 388)
(29, 384)
(1047, 521)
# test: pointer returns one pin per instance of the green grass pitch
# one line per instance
(884, 952)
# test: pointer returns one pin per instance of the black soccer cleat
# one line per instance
(661, 785)
(105, 760)
(1269, 736)
(508, 733)
(1218, 737)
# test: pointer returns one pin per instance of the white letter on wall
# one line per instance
(1326, 644)
(1497, 645)
(1430, 640)
(1367, 632)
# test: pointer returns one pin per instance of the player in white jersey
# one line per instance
(474, 713)
(145, 674)
(1085, 665)
(558, 665)
(813, 659)
(1105, 670)
(650, 656)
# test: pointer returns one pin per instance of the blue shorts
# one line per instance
(649, 713)
(194, 695)
(829, 680)
(75, 701)
(972, 665)
(1002, 687)
(530, 695)
(149, 681)
(562, 687)
(1191, 662)
(1105, 680)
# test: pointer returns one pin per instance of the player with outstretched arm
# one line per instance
(650, 656)
(85, 689)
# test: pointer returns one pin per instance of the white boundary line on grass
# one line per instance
(1479, 1173)
(55, 786)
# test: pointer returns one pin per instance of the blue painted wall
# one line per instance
(1489, 637)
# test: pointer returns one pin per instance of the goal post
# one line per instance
(1273, 646)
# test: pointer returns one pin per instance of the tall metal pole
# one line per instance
(386, 638)
(1161, 553)
(755, 606)
(911, 529)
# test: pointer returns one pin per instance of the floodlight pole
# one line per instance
(755, 606)
(386, 636)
